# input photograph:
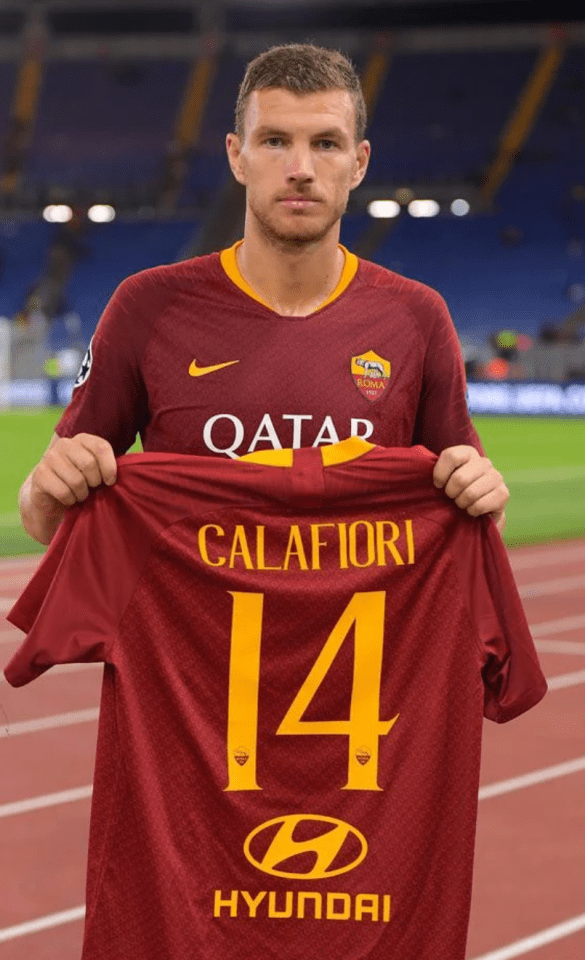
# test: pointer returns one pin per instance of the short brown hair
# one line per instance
(302, 68)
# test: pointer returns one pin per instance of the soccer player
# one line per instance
(284, 340)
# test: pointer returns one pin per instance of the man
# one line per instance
(284, 340)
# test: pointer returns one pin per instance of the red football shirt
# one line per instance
(297, 664)
(190, 358)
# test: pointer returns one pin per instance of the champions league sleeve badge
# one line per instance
(85, 368)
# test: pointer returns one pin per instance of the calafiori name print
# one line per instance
(363, 543)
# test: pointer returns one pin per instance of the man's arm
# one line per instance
(472, 482)
(69, 468)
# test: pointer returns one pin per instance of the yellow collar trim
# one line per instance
(342, 452)
(229, 263)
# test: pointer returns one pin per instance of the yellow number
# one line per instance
(364, 727)
(242, 735)
(365, 612)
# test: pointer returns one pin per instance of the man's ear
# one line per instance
(362, 160)
(233, 147)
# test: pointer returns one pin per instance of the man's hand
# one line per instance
(70, 467)
(472, 482)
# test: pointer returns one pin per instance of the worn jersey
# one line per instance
(298, 658)
(189, 357)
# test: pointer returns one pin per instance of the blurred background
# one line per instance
(113, 116)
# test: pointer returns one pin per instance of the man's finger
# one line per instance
(467, 476)
(490, 503)
(104, 456)
(60, 480)
(451, 459)
(481, 487)
(86, 462)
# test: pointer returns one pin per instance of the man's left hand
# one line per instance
(472, 482)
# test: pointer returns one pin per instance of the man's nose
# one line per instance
(300, 166)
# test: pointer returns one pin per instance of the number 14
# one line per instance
(364, 727)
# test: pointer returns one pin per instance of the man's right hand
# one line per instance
(68, 470)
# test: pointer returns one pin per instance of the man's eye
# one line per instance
(273, 141)
(327, 144)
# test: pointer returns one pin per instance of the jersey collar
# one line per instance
(229, 263)
(342, 452)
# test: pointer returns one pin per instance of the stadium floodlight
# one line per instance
(381, 209)
(460, 207)
(57, 213)
(101, 213)
(423, 208)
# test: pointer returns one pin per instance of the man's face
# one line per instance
(298, 161)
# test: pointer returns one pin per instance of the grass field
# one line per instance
(542, 459)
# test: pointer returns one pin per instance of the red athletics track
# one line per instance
(529, 888)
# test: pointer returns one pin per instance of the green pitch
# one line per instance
(542, 460)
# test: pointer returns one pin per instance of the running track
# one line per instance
(529, 887)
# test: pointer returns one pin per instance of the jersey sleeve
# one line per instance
(71, 608)
(512, 677)
(109, 399)
(442, 418)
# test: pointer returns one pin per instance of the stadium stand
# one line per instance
(114, 251)
(112, 118)
(428, 129)
(23, 251)
(120, 141)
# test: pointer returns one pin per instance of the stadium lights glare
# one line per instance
(423, 208)
(57, 213)
(101, 213)
(381, 209)
(460, 207)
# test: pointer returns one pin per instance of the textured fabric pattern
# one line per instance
(382, 362)
(297, 665)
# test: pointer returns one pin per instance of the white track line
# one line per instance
(64, 668)
(531, 779)
(560, 682)
(16, 580)
(545, 556)
(541, 939)
(540, 589)
(560, 646)
(42, 923)
(545, 587)
(562, 625)
(491, 790)
(496, 789)
(46, 800)
(565, 680)
(27, 560)
(48, 723)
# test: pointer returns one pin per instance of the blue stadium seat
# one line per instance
(440, 114)
(100, 124)
(116, 250)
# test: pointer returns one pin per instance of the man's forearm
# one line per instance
(40, 522)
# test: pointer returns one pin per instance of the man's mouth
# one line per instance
(299, 203)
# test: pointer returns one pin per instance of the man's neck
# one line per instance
(293, 282)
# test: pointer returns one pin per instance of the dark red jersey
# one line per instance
(189, 357)
(298, 659)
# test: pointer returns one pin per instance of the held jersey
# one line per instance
(297, 659)
(189, 357)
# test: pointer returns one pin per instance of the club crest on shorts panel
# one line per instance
(371, 375)
(85, 368)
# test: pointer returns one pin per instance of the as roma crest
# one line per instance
(371, 375)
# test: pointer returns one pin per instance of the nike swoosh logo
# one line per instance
(195, 371)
